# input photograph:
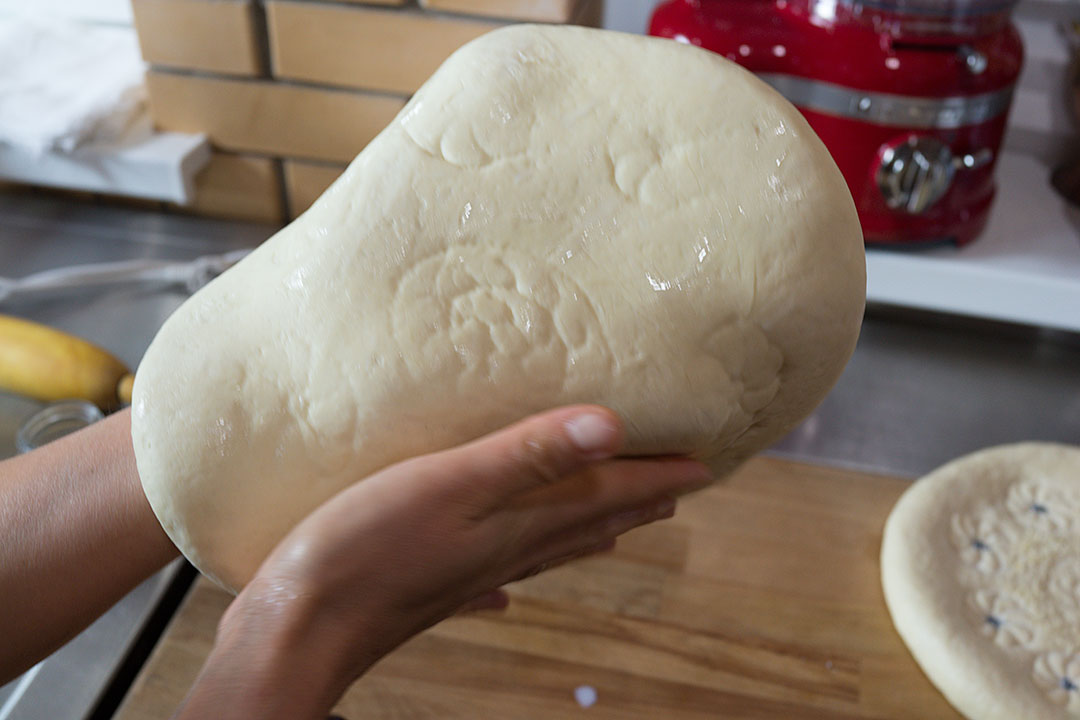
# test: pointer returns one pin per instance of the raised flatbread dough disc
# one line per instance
(981, 569)
(559, 215)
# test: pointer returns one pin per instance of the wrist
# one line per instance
(275, 655)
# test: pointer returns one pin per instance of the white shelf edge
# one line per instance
(960, 289)
(160, 167)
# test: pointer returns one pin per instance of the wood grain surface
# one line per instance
(760, 599)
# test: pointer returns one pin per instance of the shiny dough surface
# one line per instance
(558, 215)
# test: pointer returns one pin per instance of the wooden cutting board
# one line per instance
(760, 599)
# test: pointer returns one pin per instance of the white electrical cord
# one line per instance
(192, 275)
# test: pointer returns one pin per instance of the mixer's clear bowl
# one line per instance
(919, 18)
(938, 8)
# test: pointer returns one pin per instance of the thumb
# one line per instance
(539, 450)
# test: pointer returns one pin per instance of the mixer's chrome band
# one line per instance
(887, 109)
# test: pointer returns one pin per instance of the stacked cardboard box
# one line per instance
(289, 91)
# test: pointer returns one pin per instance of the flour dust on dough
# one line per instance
(559, 215)
(980, 565)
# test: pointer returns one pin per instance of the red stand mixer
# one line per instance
(910, 96)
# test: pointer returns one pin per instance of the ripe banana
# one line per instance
(48, 365)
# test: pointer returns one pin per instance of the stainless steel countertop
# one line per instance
(920, 389)
(38, 233)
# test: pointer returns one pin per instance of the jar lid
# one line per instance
(54, 421)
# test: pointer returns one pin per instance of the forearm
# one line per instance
(77, 535)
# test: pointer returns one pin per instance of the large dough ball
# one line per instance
(559, 215)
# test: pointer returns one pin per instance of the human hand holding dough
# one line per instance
(412, 543)
(560, 215)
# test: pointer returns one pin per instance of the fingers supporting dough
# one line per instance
(537, 452)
